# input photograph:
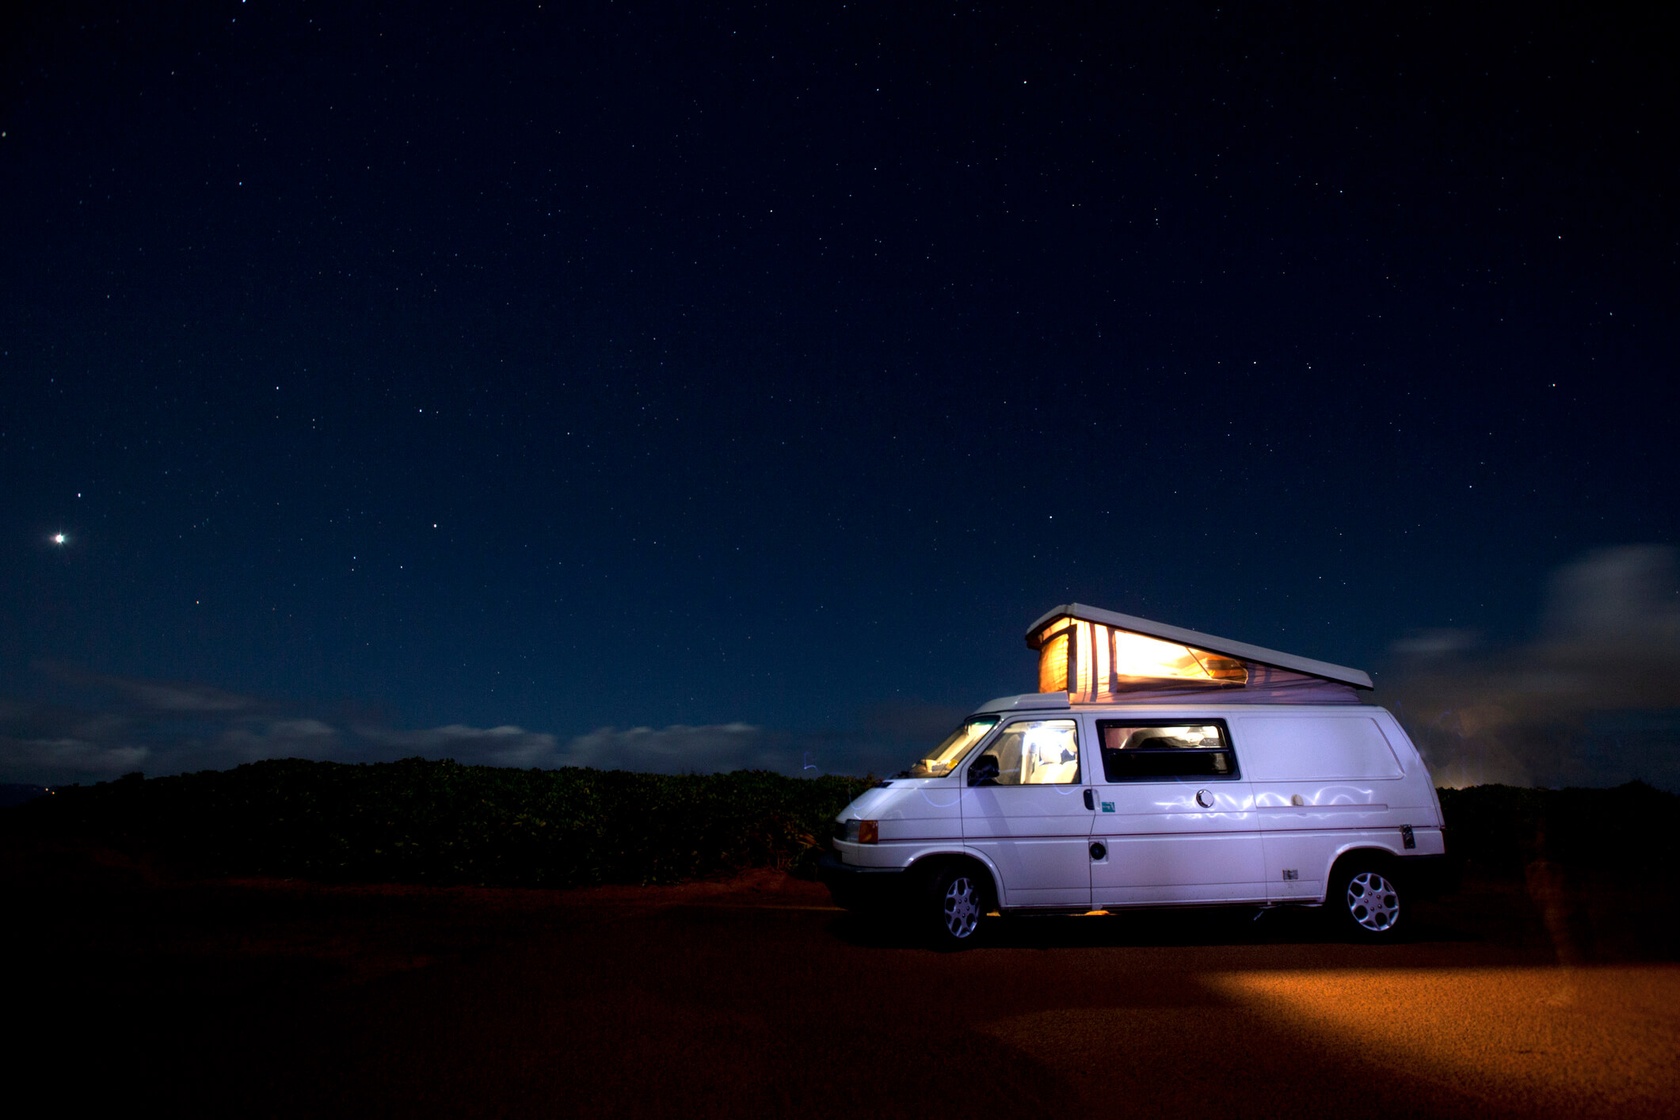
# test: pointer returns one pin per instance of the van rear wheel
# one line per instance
(955, 906)
(1366, 900)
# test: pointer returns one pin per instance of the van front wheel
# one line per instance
(1366, 900)
(956, 904)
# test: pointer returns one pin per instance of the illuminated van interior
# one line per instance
(1092, 661)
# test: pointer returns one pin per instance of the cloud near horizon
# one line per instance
(160, 727)
(673, 749)
(1592, 699)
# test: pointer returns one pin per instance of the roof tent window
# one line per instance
(1091, 660)
(1053, 661)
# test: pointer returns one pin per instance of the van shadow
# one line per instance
(1165, 927)
(1233, 925)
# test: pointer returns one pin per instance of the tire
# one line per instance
(1366, 900)
(955, 907)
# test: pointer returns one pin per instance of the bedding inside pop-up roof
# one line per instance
(1098, 656)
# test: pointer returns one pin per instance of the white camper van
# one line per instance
(1155, 766)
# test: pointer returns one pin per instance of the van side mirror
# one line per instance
(984, 772)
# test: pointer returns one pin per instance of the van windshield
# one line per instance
(938, 762)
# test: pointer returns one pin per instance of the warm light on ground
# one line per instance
(1499, 1041)
(1577, 1037)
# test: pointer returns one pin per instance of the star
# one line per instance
(60, 539)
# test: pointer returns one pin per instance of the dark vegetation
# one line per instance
(1629, 832)
(418, 821)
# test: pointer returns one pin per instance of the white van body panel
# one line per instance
(1334, 744)
(1341, 779)
(1311, 783)
(1035, 837)
(1165, 848)
(915, 818)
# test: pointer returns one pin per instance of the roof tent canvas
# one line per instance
(1102, 656)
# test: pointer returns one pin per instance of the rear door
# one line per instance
(1175, 819)
(1031, 818)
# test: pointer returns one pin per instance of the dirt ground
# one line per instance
(757, 998)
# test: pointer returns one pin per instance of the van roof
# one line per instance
(1240, 651)
(1165, 701)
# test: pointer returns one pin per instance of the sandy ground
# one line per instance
(757, 998)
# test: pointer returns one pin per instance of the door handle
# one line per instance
(1090, 802)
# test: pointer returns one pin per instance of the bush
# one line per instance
(418, 821)
(1623, 832)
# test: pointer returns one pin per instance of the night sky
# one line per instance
(692, 386)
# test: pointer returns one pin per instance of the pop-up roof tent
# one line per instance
(1098, 656)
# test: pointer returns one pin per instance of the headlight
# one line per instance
(862, 832)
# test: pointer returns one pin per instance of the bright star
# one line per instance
(60, 539)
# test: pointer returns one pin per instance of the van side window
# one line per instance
(1036, 752)
(1133, 752)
